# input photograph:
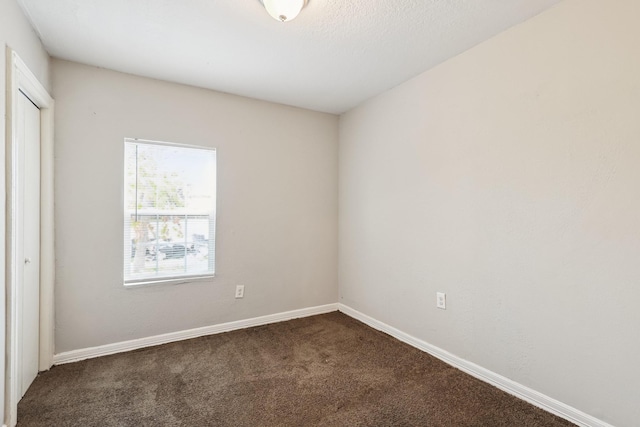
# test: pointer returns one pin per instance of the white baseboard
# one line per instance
(119, 347)
(518, 390)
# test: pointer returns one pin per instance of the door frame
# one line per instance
(21, 79)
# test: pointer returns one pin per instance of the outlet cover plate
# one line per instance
(441, 300)
(240, 291)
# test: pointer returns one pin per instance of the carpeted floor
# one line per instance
(327, 370)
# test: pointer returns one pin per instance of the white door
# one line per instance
(28, 240)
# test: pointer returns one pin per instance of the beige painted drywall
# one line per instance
(509, 178)
(17, 34)
(277, 205)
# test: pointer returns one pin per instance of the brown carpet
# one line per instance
(327, 370)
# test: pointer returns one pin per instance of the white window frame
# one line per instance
(127, 245)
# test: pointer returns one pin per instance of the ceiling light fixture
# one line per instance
(284, 10)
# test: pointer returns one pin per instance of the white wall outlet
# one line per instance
(240, 291)
(441, 300)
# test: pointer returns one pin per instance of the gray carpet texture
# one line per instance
(326, 370)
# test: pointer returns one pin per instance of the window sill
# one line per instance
(167, 281)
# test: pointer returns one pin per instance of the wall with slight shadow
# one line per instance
(277, 206)
(508, 177)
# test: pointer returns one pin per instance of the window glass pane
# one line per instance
(198, 243)
(169, 205)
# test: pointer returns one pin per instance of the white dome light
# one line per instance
(284, 10)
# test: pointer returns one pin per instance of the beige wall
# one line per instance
(277, 205)
(509, 177)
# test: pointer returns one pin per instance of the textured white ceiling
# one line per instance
(336, 54)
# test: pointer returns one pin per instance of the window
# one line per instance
(169, 211)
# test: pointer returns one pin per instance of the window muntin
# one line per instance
(169, 211)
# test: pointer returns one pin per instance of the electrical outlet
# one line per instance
(441, 300)
(240, 291)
